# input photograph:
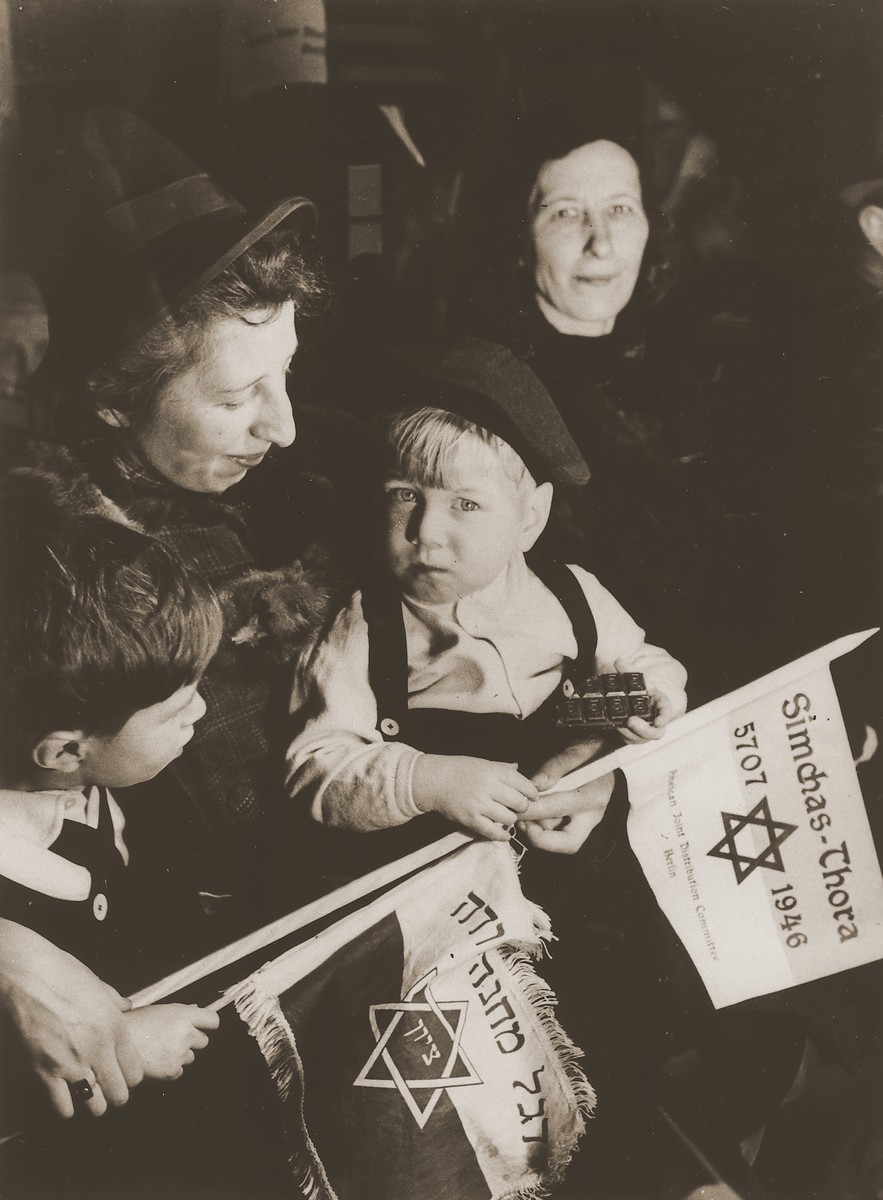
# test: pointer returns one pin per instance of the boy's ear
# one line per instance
(536, 514)
(113, 416)
(64, 750)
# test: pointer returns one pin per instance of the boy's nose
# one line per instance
(428, 528)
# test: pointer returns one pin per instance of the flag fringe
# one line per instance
(536, 1189)
(542, 928)
(543, 1002)
(266, 1023)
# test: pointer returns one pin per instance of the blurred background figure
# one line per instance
(862, 325)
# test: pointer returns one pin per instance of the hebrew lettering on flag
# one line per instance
(414, 1047)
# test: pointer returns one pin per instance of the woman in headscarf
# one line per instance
(695, 400)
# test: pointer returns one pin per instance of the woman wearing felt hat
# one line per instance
(173, 320)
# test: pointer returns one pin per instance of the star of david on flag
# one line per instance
(735, 824)
(793, 891)
(406, 1039)
(418, 1050)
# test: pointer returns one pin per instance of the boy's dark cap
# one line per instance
(487, 384)
(145, 229)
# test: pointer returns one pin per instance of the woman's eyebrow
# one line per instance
(545, 199)
(573, 198)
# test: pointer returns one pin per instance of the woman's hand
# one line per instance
(576, 754)
(561, 821)
(69, 1023)
(167, 1036)
(484, 797)
(561, 835)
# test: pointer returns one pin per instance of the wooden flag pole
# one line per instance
(375, 880)
(299, 919)
(721, 1188)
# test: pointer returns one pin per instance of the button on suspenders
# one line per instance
(388, 649)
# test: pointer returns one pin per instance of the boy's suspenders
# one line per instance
(563, 584)
(387, 643)
(387, 654)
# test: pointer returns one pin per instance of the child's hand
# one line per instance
(168, 1036)
(665, 709)
(485, 797)
(561, 821)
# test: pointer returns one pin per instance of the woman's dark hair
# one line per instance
(270, 273)
(97, 620)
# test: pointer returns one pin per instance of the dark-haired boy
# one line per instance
(104, 639)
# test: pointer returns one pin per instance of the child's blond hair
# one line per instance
(424, 443)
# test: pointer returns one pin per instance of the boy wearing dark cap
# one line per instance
(444, 674)
(437, 691)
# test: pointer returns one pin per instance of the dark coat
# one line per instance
(706, 424)
(280, 550)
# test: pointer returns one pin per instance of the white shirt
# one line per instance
(499, 650)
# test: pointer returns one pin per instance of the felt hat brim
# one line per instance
(97, 313)
(142, 229)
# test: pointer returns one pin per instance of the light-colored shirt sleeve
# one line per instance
(621, 640)
(339, 763)
(503, 652)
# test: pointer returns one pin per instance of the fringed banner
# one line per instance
(414, 1047)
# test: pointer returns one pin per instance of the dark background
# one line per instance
(790, 91)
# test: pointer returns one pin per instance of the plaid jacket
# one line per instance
(280, 550)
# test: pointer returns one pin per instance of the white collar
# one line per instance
(29, 824)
